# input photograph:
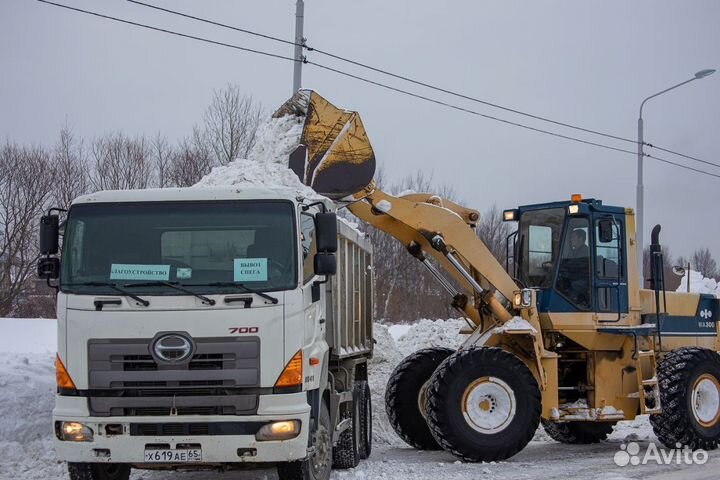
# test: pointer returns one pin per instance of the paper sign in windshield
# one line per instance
(251, 270)
(126, 271)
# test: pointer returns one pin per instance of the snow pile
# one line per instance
(27, 383)
(698, 284)
(267, 163)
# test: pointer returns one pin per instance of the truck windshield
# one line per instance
(539, 241)
(204, 246)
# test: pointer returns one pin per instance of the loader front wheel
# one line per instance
(483, 404)
(689, 379)
(578, 432)
(405, 396)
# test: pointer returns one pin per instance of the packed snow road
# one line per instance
(27, 387)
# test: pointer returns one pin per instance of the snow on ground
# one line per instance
(26, 402)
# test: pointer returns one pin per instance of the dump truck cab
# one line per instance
(204, 327)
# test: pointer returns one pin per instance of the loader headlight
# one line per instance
(284, 430)
(573, 209)
(73, 432)
(510, 215)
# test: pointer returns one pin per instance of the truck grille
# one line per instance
(135, 384)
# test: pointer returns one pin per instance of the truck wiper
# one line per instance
(174, 285)
(114, 286)
(241, 286)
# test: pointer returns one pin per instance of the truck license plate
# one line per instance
(169, 455)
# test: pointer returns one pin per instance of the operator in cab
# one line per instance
(576, 269)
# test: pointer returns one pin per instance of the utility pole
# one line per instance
(299, 42)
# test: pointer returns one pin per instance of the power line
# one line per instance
(683, 155)
(217, 24)
(372, 82)
(463, 109)
(171, 32)
(420, 83)
(681, 165)
(385, 72)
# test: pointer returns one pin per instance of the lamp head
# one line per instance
(704, 73)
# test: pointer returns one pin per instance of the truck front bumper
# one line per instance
(222, 439)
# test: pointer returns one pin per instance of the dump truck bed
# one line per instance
(349, 296)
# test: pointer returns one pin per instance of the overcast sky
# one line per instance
(581, 62)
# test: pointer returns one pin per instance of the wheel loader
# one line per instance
(561, 333)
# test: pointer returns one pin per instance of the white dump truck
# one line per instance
(209, 328)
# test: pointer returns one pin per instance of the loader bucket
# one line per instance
(334, 157)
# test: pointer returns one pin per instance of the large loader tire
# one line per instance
(365, 399)
(483, 404)
(98, 471)
(689, 379)
(578, 432)
(405, 396)
(318, 465)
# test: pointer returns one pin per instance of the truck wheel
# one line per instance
(483, 404)
(318, 465)
(346, 453)
(578, 432)
(365, 441)
(689, 379)
(98, 471)
(405, 396)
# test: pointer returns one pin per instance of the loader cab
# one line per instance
(573, 253)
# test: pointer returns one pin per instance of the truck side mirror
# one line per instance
(605, 226)
(49, 234)
(325, 264)
(48, 268)
(326, 232)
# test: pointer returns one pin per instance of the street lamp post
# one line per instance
(639, 210)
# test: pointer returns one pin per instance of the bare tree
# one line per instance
(71, 169)
(121, 162)
(25, 181)
(231, 124)
(493, 231)
(162, 154)
(672, 282)
(703, 261)
(190, 161)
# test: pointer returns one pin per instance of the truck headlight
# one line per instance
(284, 430)
(73, 432)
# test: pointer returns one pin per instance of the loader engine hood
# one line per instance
(334, 157)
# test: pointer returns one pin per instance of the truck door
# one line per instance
(611, 294)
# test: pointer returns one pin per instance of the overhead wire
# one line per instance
(373, 82)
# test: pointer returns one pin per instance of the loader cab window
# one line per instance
(539, 244)
(573, 277)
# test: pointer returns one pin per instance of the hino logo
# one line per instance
(172, 348)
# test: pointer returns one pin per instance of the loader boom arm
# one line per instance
(428, 225)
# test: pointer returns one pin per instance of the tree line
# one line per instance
(35, 178)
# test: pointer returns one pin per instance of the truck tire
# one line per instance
(98, 471)
(483, 404)
(318, 465)
(578, 432)
(405, 396)
(365, 441)
(346, 453)
(689, 380)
